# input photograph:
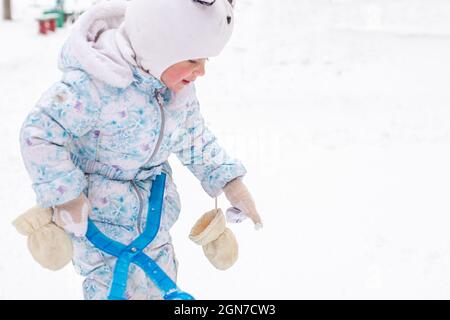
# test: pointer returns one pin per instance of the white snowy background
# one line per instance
(340, 111)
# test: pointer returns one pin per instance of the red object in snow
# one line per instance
(47, 23)
(52, 25)
(42, 26)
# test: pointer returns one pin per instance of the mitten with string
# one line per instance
(219, 243)
(49, 245)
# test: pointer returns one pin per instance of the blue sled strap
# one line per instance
(133, 252)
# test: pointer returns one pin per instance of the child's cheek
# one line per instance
(184, 73)
(178, 75)
(174, 77)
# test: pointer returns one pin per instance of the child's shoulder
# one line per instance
(81, 83)
(75, 87)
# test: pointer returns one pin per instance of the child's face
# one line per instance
(182, 73)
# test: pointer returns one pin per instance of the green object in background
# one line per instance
(60, 16)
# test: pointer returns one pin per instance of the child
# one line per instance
(98, 138)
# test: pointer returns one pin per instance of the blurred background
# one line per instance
(340, 110)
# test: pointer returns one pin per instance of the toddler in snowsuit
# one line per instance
(97, 139)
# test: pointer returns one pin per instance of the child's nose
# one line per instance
(200, 70)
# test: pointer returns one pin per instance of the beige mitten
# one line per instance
(218, 242)
(239, 196)
(49, 245)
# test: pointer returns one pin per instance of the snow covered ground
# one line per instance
(340, 111)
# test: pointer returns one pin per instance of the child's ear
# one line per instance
(205, 2)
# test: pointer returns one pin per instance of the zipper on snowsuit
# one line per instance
(158, 98)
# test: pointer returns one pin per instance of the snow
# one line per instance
(340, 112)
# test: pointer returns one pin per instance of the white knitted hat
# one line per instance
(165, 32)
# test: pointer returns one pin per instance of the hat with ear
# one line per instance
(163, 33)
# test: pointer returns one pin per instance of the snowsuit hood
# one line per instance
(98, 46)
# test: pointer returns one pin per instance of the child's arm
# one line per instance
(198, 149)
(65, 112)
